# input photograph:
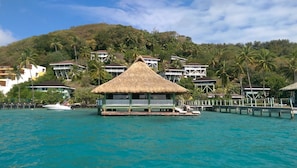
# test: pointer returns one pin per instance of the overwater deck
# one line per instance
(263, 108)
(142, 107)
(115, 113)
(256, 111)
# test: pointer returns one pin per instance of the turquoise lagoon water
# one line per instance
(80, 138)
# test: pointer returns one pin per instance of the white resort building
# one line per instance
(177, 58)
(100, 55)
(57, 86)
(174, 75)
(62, 69)
(195, 71)
(151, 61)
(8, 78)
(115, 69)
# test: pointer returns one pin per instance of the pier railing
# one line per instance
(260, 107)
(268, 102)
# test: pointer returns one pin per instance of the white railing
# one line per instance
(161, 102)
(62, 68)
(114, 70)
(240, 102)
(138, 102)
(117, 102)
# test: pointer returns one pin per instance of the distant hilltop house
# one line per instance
(100, 55)
(63, 68)
(115, 69)
(197, 72)
(151, 61)
(180, 59)
(104, 56)
(8, 78)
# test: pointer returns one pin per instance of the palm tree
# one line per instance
(265, 63)
(27, 60)
(74, 43)
(290, 69)
(223, 74)
(84, 54)
(238, 71)
(111, 54)
(216, 56)
(56, 44)
(246, 55)
(17, 72)
(122, 48)
(97, 71)
(75, 73)
(92, 43)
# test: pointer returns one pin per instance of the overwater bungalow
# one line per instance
(292, 88)
(139, 91)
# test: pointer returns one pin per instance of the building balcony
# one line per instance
(62, 68)
(114, 70)
(173, 73)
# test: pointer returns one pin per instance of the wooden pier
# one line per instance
(260, 107)
(256, 111)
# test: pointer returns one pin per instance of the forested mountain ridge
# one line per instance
(272, 64)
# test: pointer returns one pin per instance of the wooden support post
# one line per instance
(149, 102)
(130, 103)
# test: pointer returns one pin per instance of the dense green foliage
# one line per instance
(269, 64)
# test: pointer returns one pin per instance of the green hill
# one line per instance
(115, 38)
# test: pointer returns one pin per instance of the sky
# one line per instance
(205, 21)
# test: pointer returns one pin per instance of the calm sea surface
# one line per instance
(80, 138)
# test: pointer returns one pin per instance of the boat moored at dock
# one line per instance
(57, 106)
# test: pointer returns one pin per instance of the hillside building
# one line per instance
(115, 69)
(62, 69)
(100, 55)
(8, 78)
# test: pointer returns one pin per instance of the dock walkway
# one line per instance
(252, 110)
(264, 107)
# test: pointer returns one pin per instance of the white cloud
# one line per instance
(6, 37)
(214, 21)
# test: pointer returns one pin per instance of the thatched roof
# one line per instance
(139, 78)
(290, 87)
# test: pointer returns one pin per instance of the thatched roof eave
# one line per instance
(290, 87)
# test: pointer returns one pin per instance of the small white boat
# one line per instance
(186, 110)
(57, 106)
